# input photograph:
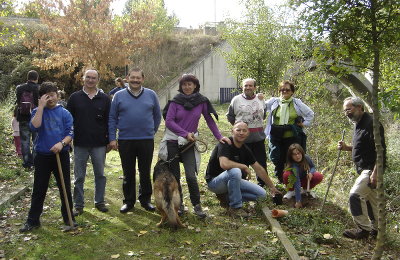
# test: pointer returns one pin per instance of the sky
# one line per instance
(194, 13)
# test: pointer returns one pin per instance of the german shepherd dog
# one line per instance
(166, 195)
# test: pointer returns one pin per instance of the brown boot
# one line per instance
(356, 233)
(223, 200)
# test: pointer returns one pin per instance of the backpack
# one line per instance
(26, 104)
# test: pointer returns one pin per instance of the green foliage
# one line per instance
(162, 23)
(261, 46)
(361, 34)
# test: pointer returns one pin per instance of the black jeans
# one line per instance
(129, 150)
(44, 166)
(189, 163)
(278, 152)
(258, 149)
(26, 134)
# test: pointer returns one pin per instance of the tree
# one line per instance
(6, 32)
(262, 47)
(358, 33)
(163, 23)
(84, 33)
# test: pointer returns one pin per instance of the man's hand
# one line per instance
(260, 96)
(273, 190)
(343, 146)
(108, 148)
(57, 147)
(225, 140)
(247, 171)
(114, 145)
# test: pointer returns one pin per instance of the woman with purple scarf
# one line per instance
(182, 115)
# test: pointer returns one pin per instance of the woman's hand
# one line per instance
(225, 140)
(190, 137)
(309, 176)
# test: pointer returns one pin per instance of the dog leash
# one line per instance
(187, 148)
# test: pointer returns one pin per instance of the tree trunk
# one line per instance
(380, 242)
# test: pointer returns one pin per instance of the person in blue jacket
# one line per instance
(53, 125)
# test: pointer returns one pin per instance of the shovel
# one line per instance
(60, 172)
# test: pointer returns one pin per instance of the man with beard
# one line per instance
(363, 197)
(135, 112)
(248, 108)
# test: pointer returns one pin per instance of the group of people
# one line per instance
(128, 122)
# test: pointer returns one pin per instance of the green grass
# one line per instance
(135, 236)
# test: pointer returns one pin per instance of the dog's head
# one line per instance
(161, 166)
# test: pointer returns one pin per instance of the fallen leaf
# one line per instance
(27, 238)
(190, 227)
(188, 242)
(274, 240)
(328, 236)
(214, 252)
(142, 232)
(115, 256)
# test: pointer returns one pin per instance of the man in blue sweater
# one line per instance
(135, 112)
(90, 108)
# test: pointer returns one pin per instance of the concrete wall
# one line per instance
(212, 72)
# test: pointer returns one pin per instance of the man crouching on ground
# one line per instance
(227, 165)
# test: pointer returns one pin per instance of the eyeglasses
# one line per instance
(285, 90)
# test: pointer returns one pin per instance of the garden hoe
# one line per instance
(333, 174)
(71, 222)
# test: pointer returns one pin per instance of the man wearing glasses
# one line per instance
(89, 108)
(363, 197)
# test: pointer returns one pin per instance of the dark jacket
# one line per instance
(28, 86)
(90, 118)
(364, 153)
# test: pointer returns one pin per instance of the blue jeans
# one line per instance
(239, 190)
(98, 157)
(26, 135)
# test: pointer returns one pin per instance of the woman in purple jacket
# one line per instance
(182, 115)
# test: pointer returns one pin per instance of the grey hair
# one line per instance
(254, 81)
(355, 101)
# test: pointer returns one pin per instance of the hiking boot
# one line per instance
(101, 207)
(356, 233)
(199, 211)
(223, 200)
(78, 211)
(28, 227)
(373, 233)
(289, 195)
(238, 212)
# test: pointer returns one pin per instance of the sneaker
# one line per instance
(78, 211)
(199, 211)
(238, 212)
(312, 195)
(28, 227)
(289, 195)
(101, 207)
(356, 233)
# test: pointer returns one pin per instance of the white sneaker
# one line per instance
(312, 194)
(289, 194)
